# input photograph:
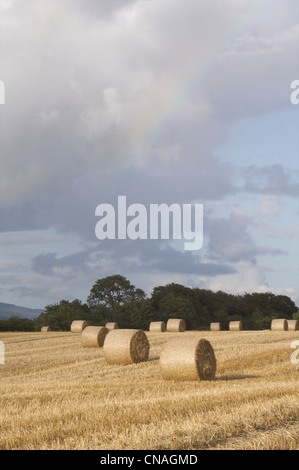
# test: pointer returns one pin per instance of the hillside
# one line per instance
(10, 310)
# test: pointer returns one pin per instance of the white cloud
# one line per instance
(269, 206)
(49, 116)
(248, 278)
(255, 45)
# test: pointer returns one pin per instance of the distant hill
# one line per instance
(10, 310)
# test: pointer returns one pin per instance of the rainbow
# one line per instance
(183, 75)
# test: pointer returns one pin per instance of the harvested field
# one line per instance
(57, 395)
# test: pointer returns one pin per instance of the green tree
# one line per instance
(59, 316)
(17, 324)
(113, 292)
(174, 301)
(136, 314)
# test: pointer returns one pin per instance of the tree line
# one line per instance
(115, 299)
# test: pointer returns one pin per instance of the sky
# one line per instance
(171, 101)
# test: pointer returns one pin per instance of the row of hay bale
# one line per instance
(78, 326)
(277, 324)
(174, 325)
(94, 336)
(281, 324)
(233, 326)
(180, 359)
(179, 325)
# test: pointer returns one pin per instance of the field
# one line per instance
(57, 395)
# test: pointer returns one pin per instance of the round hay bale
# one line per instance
(46, 328)
(78, 326)
(126, 347)
(111, 326)
(235, 326)
(293, 325)
(176, 325)
(157, 326)
(215, 326)
(188, 359)
(279, 324)
(94, 336)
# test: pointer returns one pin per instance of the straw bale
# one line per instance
(235, 326)
(94, 336)
(78, 326)
(215, 326)
(111, 325)
(188, 359)
(279, 324)
(157, 326)
(293, 325)
(126, 346)
(176, 325)
(45, 328)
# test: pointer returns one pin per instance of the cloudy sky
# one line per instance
(171, 101)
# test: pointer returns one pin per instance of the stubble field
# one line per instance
(55, 394)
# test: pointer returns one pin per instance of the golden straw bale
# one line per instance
(111, 325)
(279, 324)
(157, 326)
(46, 328)
(126, 346)
(94, 336)
(78, 326)
(293, 325)
(188, 359)
(176, 325)
(235, 326)
(215, 326)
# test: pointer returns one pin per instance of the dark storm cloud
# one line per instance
(45, 263)
(21, 217)
(132, 257)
